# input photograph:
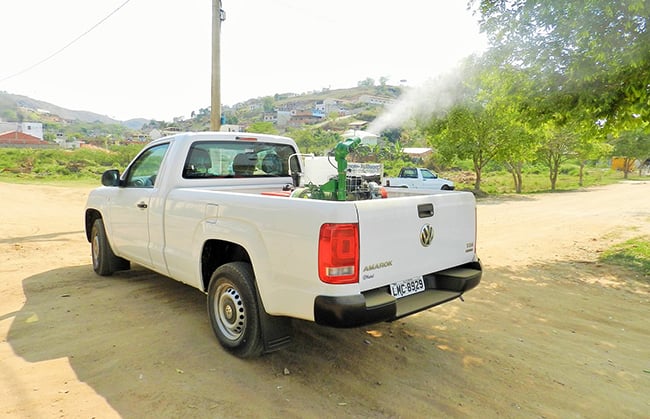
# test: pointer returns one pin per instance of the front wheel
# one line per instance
(234, 310)
(105, 262)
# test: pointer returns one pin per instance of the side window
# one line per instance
(198, 163)
(428, 175)
(410, 173)
(226, 159)
(143, 172)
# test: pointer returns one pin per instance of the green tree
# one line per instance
(262, 127)
(558, 145)
(503, 90)
(305, 140)
(268, 103)
(521, 149)
(467, 132)
(9, 115)
(368, 82)
(591, 54)
(392, 135)
(591, 145)
(326, 139)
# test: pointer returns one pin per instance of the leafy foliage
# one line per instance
(558, 77)
(262, 128)
(587, 54)
(58, 163)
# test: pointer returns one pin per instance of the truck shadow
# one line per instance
(41, 237)
(137, 337)
(143, 342)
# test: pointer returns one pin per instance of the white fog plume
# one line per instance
(433, 97)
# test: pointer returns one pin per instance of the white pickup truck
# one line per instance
(222, 212)
(419, 178)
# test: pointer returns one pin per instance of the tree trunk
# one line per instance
(477, 183)
(477, 172)
(581, 179)
(554, 168)
(511, 169)
(627, 167)
(515, 171)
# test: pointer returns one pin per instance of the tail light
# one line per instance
(338, 253)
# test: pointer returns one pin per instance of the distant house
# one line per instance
(376, 100)
(270, 117)
(303, 118)
(328, 106)
(34, 129)
(231, 128)
(17, 139)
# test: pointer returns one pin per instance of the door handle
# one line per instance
(425, 210)
(142, 205)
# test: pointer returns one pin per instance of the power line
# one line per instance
(66, 46)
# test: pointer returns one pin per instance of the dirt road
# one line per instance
(548, 333)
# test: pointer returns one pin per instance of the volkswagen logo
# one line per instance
(426, 235)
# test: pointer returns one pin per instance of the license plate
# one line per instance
(407, 287)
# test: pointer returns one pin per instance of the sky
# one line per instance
(152, 59)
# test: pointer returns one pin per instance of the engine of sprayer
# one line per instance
(343, 186)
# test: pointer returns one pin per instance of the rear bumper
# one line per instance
(379, 305)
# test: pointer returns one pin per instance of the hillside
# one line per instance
(16, 107)
(11, 103)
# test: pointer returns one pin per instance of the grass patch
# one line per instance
(633, 254)
(500, 182)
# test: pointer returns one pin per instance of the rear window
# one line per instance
(207, 159)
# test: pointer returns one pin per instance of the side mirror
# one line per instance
(111, 178)
(295, 177)
(294, 170)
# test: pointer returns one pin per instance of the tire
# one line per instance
(234, 310)
(445, 188)
(105, 263)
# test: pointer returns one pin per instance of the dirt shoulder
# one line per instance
(549, 332)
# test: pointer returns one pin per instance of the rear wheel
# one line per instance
(234, 310)
(105, 262)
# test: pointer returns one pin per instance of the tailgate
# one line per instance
(407, 237)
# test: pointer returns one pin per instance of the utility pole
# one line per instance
(218, 15)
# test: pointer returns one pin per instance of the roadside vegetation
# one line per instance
(58, 165)
(633, 254)
(85, 166)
